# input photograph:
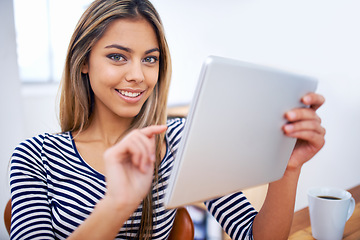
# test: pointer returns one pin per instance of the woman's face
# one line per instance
(123, 67)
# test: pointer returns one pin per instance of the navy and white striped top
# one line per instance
(54, 190)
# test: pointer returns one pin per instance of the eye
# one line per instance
(116, 57)
(150, 59)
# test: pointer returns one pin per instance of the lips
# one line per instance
(129, 94)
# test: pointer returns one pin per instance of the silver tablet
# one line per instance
(233, 136)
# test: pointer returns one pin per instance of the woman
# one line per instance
(113, 120)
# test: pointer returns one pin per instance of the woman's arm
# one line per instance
(275, 217)
(129, 167)
(30, 217)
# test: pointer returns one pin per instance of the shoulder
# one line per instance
(31, 146)
(31, 149)
(174, 132)
(175, 124)
(37, 142)
(175, 128)
(26, 159)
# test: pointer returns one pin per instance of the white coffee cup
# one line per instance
(329, 209)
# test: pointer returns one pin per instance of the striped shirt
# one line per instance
(54, 190)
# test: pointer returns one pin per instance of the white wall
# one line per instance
(11, 120)
(317, 38)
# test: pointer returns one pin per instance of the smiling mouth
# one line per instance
(129, 94)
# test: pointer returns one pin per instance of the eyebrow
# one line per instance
(152, 50)
(129, 50)
(119, 47)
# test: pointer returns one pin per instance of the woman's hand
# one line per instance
(129, 171)
(129, 166)
(274, 219)
(305, 125)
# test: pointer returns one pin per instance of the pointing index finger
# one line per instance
(153, 130)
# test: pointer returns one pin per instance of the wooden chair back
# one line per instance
(7, 216)
(183, 227)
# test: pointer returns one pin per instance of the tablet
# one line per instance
(233, 136)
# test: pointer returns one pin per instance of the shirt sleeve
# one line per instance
(31, 218)
(235, 214)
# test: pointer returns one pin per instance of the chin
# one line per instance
(129, 113)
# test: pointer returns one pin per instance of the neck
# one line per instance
(106, 128)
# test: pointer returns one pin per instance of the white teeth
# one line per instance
(129, 94)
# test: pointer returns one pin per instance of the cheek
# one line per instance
(152, 78)
(104, 74)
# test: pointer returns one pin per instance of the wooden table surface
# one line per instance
(301, 229)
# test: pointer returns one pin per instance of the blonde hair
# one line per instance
(77, 98)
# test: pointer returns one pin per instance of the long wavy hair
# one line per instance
(77, 97)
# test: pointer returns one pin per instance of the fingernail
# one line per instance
(291, 115)
(307, 99)
(289, 128)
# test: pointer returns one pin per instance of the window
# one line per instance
(43, 32)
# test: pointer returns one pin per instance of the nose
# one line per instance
(135, 72)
